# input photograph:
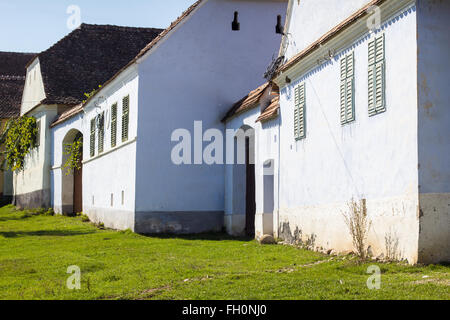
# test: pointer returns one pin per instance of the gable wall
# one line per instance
(310, 19)
(33, 92)
(197, 73)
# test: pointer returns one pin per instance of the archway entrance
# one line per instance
(250, 194)
(72, 178)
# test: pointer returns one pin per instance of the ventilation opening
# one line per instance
(235, 25)
(279, 29)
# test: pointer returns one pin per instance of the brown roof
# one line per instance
(142, 52)
(12, 81)
(327, 36)
(250, 101)
(87, 57)
(271, 112)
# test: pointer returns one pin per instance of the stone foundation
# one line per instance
(33, 200)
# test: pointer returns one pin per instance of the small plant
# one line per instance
(358, 224)
(50, 212)
(100, 225)
(91, 94)
(85, 218)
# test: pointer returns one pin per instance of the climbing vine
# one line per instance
(74, 153)
(91, 94)
(18, 138)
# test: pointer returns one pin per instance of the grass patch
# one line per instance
(37, 249)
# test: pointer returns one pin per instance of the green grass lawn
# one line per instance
(36, 250)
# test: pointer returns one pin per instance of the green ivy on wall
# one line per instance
(74, 153)
(18, 139)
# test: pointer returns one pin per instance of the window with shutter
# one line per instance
(125, 117)
(347, 89)
(114, 125)
(376, 74)
(300, 112)
(101, 132)
(92, 138)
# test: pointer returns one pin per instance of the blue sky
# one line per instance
(35, 25)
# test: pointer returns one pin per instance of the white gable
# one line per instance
(310, 19)
(33, 92)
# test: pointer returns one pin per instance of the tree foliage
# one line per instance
(18, 139)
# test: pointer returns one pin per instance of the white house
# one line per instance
(362, 115)
(353, 108)
(56, 80)
(193, 71)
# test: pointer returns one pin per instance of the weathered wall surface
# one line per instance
(433, 20)
(109, 177)
(32, 185)
(373, 158)
(197, 73)
(310, 19)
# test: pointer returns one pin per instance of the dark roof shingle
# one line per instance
(12, 81)
(87, 58)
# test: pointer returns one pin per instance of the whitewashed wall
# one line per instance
(113, 171)
(373, 158)
(310, 19)
(32, 184)
(434, 129)
(198, 73)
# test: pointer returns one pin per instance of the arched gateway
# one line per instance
(72, 178)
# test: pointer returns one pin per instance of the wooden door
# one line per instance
(250, 192)
(78, 188)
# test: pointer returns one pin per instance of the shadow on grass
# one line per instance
(218, 236)
(43, 233)
(16, 217)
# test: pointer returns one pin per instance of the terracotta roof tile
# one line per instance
(250, 101)
(66, 115)
(271, 112)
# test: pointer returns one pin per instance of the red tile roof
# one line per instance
(253, 99)
(271, 112)
(250, 101)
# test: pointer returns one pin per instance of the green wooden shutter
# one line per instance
(376, 76)
(347, 89)
(113, 125)
(300, 112)
(92, 140)
(101, 132)
(125, 117)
